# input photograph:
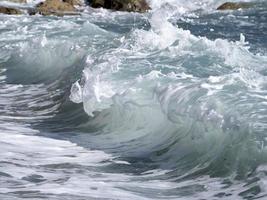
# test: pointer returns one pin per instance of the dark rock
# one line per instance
(10, 11)
(121, 5)
(233, 6)
(55, 7)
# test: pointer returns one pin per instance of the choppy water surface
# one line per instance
(171, 104)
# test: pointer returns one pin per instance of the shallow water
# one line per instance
(170, 104)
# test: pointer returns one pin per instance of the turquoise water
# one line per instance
(169, 104)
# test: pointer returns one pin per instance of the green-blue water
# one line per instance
(170, 104)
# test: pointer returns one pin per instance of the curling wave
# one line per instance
(133, 106)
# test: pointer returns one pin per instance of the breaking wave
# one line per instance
(113, 105)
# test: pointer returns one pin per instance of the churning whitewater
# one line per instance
(170, 104)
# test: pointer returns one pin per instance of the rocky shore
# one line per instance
(10, 11)
(121, 5)
(234, 6)
(69, 7)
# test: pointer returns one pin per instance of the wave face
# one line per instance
(170, 104)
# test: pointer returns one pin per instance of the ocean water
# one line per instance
(170, 104)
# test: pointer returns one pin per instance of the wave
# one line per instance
(178, 98)
(166, 106)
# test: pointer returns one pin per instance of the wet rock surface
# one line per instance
(55, 7)
(234, 6)
(74, 2)
(121, 5)
(10, 11)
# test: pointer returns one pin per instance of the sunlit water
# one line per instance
(171, 104)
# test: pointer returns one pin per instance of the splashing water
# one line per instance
(169, 104)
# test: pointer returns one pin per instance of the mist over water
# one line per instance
(170, 104)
